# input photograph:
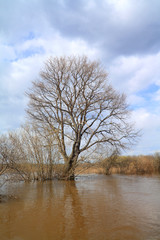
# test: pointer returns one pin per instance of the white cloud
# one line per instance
(143, 119)
(7, 52)
(135, 73)
(133, 100)
(149, 124)
(123, 9)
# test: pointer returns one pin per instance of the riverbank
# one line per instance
(129, 165)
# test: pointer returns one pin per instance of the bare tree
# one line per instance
(74, 101)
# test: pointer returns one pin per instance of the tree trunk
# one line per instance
(69, 172)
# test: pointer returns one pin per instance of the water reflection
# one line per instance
(95, 207)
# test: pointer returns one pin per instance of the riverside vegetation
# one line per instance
(28, 155)
(75, 120)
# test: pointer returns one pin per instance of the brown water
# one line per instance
(94, 207)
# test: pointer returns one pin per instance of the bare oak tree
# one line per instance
(74, 101)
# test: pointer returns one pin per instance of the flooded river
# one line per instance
(93, 207)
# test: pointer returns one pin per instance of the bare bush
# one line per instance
(42, 155)
(28, 155)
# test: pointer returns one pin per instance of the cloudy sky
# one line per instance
(123, 34)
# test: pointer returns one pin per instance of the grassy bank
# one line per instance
(143, 164)
(137, 164)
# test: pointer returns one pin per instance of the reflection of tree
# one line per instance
(49, 210)
(74, 227)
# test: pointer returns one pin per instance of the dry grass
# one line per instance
(148, 164)
(90, 170)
